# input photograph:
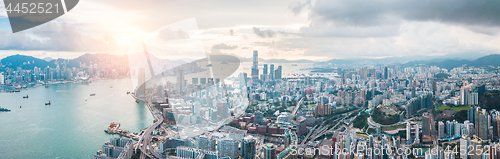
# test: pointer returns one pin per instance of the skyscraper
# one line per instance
(265, 69)
(482, 123)
(464, 144)
(277, 73)
(248, 148)
(441, 133)
(243, 80)
(370, 141)
(449, 129)
(301, 126)
(255, 66)
(434, 87)
(271, 72)
(269, 151)
(223, 109)
(386, 74)
(180, 81)
(227, 148)
(408, 132)
(1, 79)
(426, 124)
(417, 134)
(363, 73)
(141, 83)
(205, 143)
(258, 117)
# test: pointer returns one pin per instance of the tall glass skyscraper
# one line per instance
(255, 66)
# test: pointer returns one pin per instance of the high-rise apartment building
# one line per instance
(227, 148)
(278, 73)
(426, 124)
(441, 133)
(205, 143)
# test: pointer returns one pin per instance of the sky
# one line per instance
(279, 29)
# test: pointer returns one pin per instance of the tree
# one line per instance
(361, 121)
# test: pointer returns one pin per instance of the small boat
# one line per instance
(137, 100)
(128, 92)
(46, 86)
(4, 109)
(17, 90)
(20, 106)
(93, 94)
(47, 103)
(26, 96)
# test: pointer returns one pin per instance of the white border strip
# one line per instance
(64, 6)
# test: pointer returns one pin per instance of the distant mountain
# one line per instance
(25, 62)
(48, 59)
(338, 62)
(485, 61)
(490, 60)
(242, 59)
(29, 62)
(410, 60)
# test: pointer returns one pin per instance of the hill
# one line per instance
(485, 61)
(111, 61)
(25, 62)
(490, 100)
(490, 60)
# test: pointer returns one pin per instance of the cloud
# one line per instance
(19, 41)
(54, 37)
(297, 7)
(170, 34)
(369, 14)
(223, 46)
(217, 48)
(263, 33)
(270, 33)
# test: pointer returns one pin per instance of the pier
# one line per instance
(114, 128)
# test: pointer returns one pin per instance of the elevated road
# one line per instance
(144, 143)
(294, 113)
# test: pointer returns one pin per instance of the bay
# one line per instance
(73, 125)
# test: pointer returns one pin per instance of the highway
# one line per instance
(294, 113)
(322, 130)
(144, 142)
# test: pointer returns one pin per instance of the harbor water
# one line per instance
(72, 126)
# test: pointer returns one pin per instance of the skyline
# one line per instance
(312, 30)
